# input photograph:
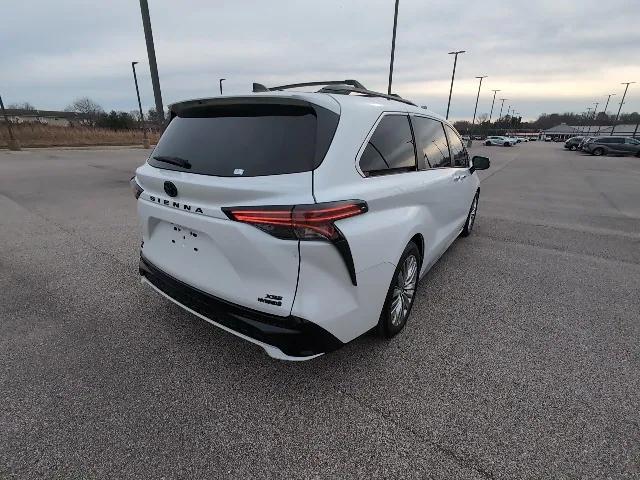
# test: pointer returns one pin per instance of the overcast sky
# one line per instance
(545, 55)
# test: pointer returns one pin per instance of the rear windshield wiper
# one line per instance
(180, 162)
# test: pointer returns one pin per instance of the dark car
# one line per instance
(612, 145)
(573, 143)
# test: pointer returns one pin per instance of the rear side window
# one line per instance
(431, 142)
(247, 140)
(458, 152)
(610, 140)
(390, 148)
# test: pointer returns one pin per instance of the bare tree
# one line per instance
(89, 109)
(483, 117)
(135, 114)
(21, 106)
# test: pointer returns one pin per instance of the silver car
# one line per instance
(612, 145)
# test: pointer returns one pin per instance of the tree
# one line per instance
(153, 117)
(21, 106)
(116, 120)
(86, 107)
(135, 114)
(463, 126)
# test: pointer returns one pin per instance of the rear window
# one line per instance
(247, 140)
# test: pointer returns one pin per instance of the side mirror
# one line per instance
(479, 163)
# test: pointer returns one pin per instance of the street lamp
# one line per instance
(455, 61)
(393, 47)
(502, 106)
(475, 110)
(12, 143)
(605, 109)
(621, 103)
(221, 80)
(492, 102)
(145, 139)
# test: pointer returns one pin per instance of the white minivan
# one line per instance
(301, 220)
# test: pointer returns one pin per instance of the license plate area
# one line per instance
(185, 239)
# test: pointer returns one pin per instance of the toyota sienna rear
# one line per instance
(268, 216)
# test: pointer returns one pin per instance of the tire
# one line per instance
(507, 144)
(471, 217)
(401, 294)
(488, 144)
(598, 151)
(572, 148)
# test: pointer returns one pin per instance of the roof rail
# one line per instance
(258, 87)
(368, 93)
(343, 87)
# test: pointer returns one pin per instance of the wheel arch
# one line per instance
(418, 239)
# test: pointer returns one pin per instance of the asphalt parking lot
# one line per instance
(521, 358)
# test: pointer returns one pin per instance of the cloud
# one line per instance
(544, 55)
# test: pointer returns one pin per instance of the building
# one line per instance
(564, 131)
(46, 117)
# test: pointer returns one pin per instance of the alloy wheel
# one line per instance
(404, 290)
(472, 213)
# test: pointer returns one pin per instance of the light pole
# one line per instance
(593, 116)
(605, 109)
(145, 138)
(501, 107)
(393, 47)
(12, 143)
(492, 102)
(151, 53)
(221, 80)
(455, 61)
(586, 120)
(475, 110)
(621, 103)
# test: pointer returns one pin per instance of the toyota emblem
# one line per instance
(170, 189)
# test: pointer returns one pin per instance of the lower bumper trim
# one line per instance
(293, 336)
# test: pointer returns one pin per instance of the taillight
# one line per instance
(304, 222)
(299, 222)
(137, 189)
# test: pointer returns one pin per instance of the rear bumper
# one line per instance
(289, 338)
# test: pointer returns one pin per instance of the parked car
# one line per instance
(500, 140)
(270, 217)
(533, 139)
(522, 139)
(573, 143)
(583, 141)
(612, 145)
